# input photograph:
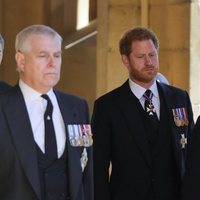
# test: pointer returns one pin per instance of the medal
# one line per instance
(180, 117)
(150, 109)
(84, 159)
(183, 141)
(80, 135)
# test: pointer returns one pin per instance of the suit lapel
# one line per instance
(164, 121)
(132, 110)
(171, 102)
(21, 132)
(70, 116)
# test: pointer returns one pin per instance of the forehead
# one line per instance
(43, 37)
(143, 45)
(43, 41)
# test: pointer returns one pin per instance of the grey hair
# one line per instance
(36, 29)
(2, 41)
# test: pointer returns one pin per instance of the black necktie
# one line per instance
(151, 115)
(50, 138)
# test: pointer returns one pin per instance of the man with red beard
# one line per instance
(140, 128)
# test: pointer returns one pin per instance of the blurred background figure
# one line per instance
(1, 47)
(161, 78)
(3, 86)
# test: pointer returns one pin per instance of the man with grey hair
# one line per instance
(45, 136)
(3, 86)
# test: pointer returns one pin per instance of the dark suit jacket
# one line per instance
(18, 164)
(119, 137)
(4, 86)
(191, 181)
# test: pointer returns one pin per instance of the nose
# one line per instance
(148, 60)
(51, 61)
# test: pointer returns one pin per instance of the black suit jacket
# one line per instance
(191, 181)
(19, 176)
(119, 137)
(4, 86)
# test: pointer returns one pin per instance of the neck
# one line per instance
(145, 85)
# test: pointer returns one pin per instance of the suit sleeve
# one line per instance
(191, 121)
(191, 181)
(102, 143)
(88, 172)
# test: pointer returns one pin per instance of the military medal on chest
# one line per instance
(180, 116)
(181, 120)
(183, 141)
(80, 135)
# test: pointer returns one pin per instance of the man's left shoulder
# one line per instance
(4, 86)
(172, 89)
(69, 97)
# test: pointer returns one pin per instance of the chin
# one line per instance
(51, 84)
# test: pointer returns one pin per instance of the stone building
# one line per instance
(91, 62)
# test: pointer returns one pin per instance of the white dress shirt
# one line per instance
(36, 106)
(138, 91)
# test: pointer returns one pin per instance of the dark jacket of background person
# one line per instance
(191, 181)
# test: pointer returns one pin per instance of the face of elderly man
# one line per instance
(40, 64)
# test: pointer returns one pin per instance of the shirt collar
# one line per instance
(138, 91)
(154, 89)
(30, 94)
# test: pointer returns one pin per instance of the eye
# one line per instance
(57, 55)
(140, 56)
(42, 55)
(152, 54)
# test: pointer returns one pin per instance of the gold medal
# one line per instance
(178, 121)
(186, 122)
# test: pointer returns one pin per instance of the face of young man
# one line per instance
(142, 63)
(40, 65)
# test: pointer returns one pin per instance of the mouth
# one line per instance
(51, 74)
(149, 68)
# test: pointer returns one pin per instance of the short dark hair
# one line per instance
(136, 34)
(2, 41)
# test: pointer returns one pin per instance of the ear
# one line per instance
(125, 60)
(20, 60)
